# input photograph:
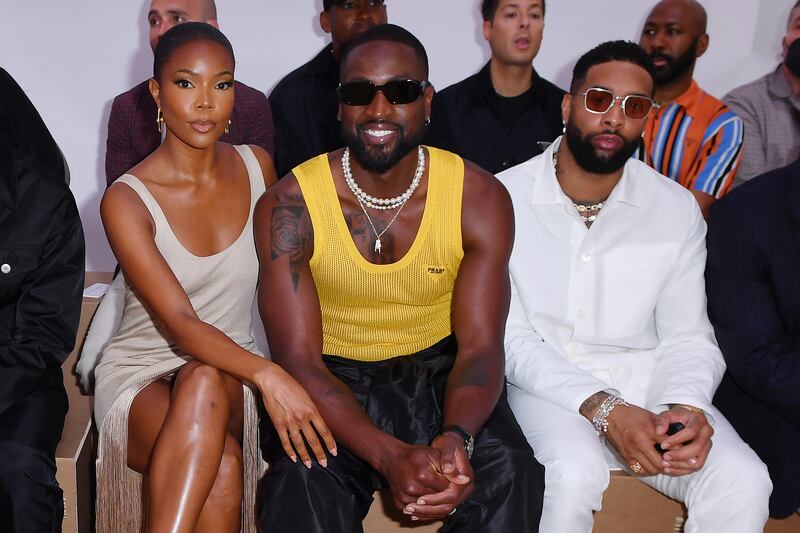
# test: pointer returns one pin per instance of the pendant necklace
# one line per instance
(365, 200)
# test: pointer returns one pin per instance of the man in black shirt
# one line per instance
(506, 113)
(304, 103)
(41, 281)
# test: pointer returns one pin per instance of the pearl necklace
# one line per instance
(588, 212)
(382, 203)
(364, 199)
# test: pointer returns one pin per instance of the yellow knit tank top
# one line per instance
(376, 312)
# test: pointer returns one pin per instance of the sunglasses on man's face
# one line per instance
(600, 101)
(397, 92)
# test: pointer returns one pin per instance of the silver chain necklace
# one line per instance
(382, 203)
(364, 199)
(375, 231)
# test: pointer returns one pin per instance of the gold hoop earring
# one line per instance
(228, 127)
(160, 120)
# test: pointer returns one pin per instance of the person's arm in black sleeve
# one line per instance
(48, 310)
(281, 128)
(762, 357)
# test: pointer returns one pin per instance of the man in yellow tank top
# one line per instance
(390, 310)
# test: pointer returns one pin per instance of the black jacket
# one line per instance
(465, 121)
(753, 284)
(304, 110)
(41, 256)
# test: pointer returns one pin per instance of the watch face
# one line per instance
(469, 440)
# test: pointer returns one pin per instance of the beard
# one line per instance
(380, 159)
(676, 66)
(792, 58)
(586, 156)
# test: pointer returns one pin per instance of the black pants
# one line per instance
(403, 396)
(30, 498)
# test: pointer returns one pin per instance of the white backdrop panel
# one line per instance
(73, 56)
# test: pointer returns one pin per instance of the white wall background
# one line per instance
(73, 56)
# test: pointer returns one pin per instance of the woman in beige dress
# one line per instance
(173, 389)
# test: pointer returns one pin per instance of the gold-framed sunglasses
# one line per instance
(600, 101)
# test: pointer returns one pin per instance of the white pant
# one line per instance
(730, 493)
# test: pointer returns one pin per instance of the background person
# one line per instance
(133, 131)
(304, 103)
(770, 110)
(41, 282)
(754, 304)
(502, 115)
(691, 136)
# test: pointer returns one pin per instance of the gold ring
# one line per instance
(636, 467)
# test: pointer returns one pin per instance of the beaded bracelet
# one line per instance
(600, 418)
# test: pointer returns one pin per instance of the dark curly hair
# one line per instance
(626, 51)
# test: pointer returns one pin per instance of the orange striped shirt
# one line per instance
(695, 140)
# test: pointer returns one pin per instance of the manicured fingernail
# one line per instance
(447, 467)
(406, 511)
(462, 477)
(308, 464)
(324, 463)
(293, 458)
(665, 464)
(414, 518)
(410, 509)
(420, 502)
(334, 452)
(664, 446)
(693, 461)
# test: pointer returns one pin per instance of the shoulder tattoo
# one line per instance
(290, 233)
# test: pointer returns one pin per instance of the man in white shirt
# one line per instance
(608, 302)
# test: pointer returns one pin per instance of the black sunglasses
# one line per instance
(398, 92)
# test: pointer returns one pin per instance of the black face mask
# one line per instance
(792, 59)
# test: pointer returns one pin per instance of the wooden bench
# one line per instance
(628, 505)
(76, 452)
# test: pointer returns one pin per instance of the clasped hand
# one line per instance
(428, 482)
(634, 433)
(687, 450)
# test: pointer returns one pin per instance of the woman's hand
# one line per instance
(294, 415)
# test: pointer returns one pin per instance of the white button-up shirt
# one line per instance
(618, 307)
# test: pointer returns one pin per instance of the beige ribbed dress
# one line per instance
(222, 289)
